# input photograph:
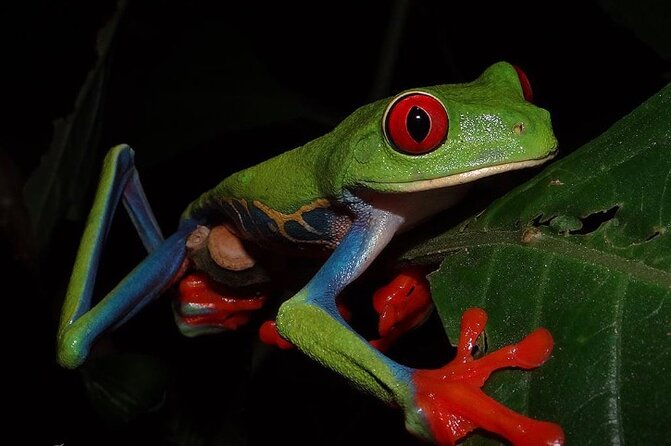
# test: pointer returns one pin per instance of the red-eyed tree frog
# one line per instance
(345, 195)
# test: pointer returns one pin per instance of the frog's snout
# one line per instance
(534, 131)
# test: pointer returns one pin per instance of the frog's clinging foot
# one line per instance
(205, 306)
(403, 304)
(453, 404)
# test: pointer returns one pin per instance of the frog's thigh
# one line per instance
(223, 246)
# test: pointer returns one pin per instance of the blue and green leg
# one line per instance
(81, 323)
(441, 405)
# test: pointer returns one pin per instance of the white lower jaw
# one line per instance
(465, 177)
(416, 201)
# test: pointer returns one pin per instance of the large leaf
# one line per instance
(583, 249)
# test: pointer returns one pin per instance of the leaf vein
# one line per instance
(615, 411)
(557, 245)
(663, 200)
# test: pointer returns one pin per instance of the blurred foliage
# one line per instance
(54, 188)
(649, 20)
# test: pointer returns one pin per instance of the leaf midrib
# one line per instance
(544, 242)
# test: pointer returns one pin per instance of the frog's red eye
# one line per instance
(416, 123)
(526, 85)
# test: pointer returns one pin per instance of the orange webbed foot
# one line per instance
(451, 399)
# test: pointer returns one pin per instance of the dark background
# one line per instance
(201, 91)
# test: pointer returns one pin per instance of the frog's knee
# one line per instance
(72, 348)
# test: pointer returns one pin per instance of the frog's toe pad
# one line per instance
(269, 335)
(203, 306)
(453, 404)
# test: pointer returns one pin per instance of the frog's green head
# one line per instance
(445, 135)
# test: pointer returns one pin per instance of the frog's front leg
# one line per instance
(440, 405)
(312, 322)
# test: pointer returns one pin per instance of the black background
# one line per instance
(201, 91)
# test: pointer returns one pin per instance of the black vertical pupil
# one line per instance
(418, 123)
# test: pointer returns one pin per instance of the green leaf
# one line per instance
(584, 250)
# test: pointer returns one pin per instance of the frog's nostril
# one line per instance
(518, 128)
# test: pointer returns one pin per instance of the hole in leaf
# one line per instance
(538, 221)
(566, 224)
(480, 348)
(594, 221)
(653, 236)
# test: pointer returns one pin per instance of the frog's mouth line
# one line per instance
(465, 177)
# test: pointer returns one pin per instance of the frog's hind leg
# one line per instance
(82, 324)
